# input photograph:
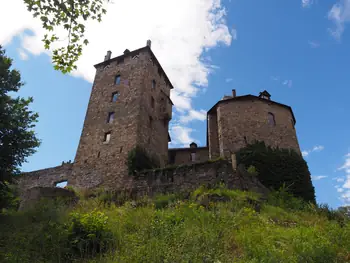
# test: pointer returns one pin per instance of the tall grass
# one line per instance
(170, 228)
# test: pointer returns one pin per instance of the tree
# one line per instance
(17, 138)
(71, 15)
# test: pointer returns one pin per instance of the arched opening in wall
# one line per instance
(61, 184)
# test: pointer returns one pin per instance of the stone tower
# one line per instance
(129, 106)
(236, 121)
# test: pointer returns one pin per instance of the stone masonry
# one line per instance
(130, 107)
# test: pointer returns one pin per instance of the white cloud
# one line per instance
(314, 44)
(181, 135)
(318, 177)
(339, 15)
(181, 32)
(306, 3)
(234, 33)
(229, 80)
(288, 83)
(22, 54)
(345, 187)
(316, 148)
(275, 78)
(192, 115)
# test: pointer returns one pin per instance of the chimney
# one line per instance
(149, 42)
(108, 56)
(233, 93)
(126, 51)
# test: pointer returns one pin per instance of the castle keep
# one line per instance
(130, 107)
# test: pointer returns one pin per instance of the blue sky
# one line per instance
(297, 50)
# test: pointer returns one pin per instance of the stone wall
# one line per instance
(189, 177)
(241, 122)
(179, 156)
(45, 177)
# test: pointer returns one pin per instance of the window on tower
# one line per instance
(152, 102)
(115, 96)
(153, 84)
(117, 80)
(107, 137)
(271, 119)
(110, 117)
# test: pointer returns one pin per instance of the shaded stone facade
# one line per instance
(130, 106)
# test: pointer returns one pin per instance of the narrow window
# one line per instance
(292, 123)
(152, 102)
(153, 84)
(159, 72)
(193, 157)
(110, 117)
(115, 96)
(121, 149)
(271, 119)
(117, 80)
(98, 154)
(107, 137)
(150, 122)
(245, 140)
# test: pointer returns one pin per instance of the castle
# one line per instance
(130, 107)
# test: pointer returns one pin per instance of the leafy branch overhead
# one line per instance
(71, 16)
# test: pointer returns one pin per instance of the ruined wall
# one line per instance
(241, 122)
(179, 156)
(45, 177)
(189, 177)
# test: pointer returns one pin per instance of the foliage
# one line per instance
(89, 233)
(9, 199)
(17, 138)
(287, 230)
(70, 16)
(139, 160)
(252, 170)
(278, 167)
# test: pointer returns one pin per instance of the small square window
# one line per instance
(115, 96)
(153, 84)
(117, 80)
(110, 117)
(152, 102)
(120, 61)
(107, 137)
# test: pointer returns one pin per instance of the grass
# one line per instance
(169, 228)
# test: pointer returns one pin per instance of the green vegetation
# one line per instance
(17, 138)
(207, 225)
(279, 167)
(70, 16)
(139, 160)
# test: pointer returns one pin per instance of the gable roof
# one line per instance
(135, 52)
(249, 97)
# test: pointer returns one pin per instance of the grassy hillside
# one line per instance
(217, 225)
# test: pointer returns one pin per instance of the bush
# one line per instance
(89, 233)
(276, 167)
(139, 160)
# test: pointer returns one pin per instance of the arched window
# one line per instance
(271, 119)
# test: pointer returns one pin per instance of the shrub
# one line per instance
(139, 160)
(89, 233)
(277, 167)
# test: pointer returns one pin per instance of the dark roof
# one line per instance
(265, 93)
(187, 149)
(249, 96)
(134, 52)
